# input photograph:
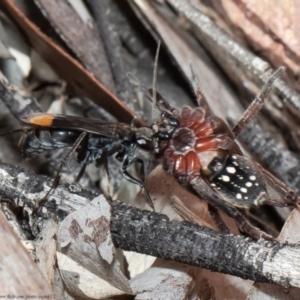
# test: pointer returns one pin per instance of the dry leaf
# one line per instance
(85, 237)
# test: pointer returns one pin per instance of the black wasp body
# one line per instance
(93, 140)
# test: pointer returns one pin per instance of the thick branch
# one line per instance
(154, 234)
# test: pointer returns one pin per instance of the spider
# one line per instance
(200, 151)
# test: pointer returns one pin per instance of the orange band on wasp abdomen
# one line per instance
(42, 120)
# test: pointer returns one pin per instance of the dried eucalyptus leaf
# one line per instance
(82, 283)
(85, 237)
(164, 280)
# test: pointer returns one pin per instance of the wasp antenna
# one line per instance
(134, 81)
(13, 131)
(162, 103)
(195, 81)
(197, 90)
(154, 80)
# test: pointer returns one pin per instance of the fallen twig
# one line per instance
(154, 234)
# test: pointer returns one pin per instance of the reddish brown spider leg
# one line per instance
(256, 104)
(215, 215)
(290, 198)
(203, 191)
(221, 141)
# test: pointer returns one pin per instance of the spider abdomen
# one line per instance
(237, 180)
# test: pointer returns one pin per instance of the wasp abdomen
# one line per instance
(236, 180)
(40, 140)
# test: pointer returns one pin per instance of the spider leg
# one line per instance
(203, 191)
(290, 198)
(220, 141)
(214, 214)
(256, 104)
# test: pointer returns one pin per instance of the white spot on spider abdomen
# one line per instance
(238, 181)
(225, 178)
(231, 170)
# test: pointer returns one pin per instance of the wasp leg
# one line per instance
(290, 198)
(79, 175)
(205, 193)
(82, 157)
(214, 214)
(57, 176)
(138, 160)
(127, 161)
(256, 104)
(102, 162)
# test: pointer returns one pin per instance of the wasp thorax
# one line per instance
(183, 139)
(144, 138)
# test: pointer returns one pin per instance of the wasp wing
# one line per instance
(105, 129)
